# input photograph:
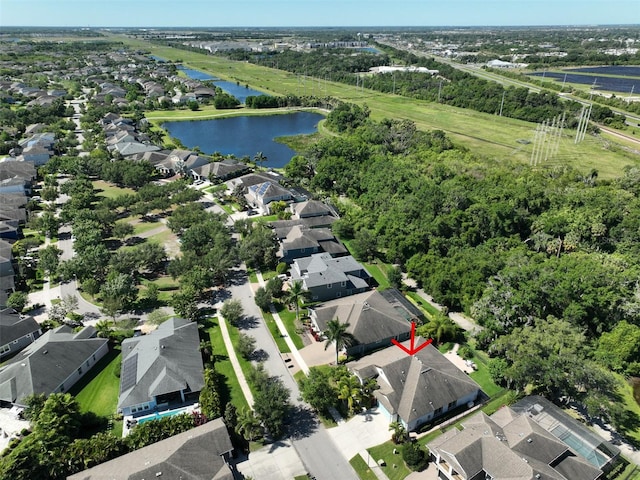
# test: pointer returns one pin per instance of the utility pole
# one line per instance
(502, 102)
(439, 90)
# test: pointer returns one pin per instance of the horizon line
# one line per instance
(330, 26)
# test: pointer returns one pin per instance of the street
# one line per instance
(316, 449)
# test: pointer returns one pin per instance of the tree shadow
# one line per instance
(259, 355)
(247, 322)
(301, 422)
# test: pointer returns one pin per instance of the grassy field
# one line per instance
(395, 468)
(626, 392)
(361, 468)
(142, 227)
(490, 136)
(108, 190)
(223, 367)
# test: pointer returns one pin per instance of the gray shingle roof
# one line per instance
(13, 326)
(370, 316)
(43, 365)
(192, 455)
(509, 446)
(322, 269)
(311, 208)
(416, 385)
(167, 360)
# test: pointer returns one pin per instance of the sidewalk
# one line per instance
(283, 331)
(233, 357)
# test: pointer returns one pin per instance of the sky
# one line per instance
(319, 13)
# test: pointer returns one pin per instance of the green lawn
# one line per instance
(626, 392)
(289, 320)
(245, 364)
(98, 391)
(385, 452)
(362, 469)
(377, 272)
(482, 376)
(430, 309)
(223, 367)
(142, 227)
(275, 333)
(109, 190)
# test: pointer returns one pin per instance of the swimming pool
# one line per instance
(159, 415)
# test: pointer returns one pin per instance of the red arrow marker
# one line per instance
(413, 350)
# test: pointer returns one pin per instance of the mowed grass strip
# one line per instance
(224, 367)
(289, 320)
(362, 469)
(275, 333)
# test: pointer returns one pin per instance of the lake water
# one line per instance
(246, 135)
(239, 91)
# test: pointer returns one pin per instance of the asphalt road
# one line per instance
(317, 450)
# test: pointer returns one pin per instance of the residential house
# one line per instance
(15, 184)
(301, 242)
(14, 200)
(51, 364)
(11, 168)
(374, 319)
(162, 368)
(512, 444)
(322, 221)
(220, 171)
(16, 332)
(326, 278)
(593, 447)
(310, 208)
(202, 453)
(127, 149)
(7, 273)
(262, 194)
(415, 389)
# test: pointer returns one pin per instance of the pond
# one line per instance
(246, 135)
(241, 92)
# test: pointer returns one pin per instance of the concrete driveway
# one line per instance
(363, 431)
(273, 462)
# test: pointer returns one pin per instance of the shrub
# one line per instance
(263, 298)
(282, 268)
(246, 345)
(414, 456)
(466, 352)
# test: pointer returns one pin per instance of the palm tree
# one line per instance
(440, 328)
(103, 329)
(336, 332)
(349, 389)
(259, 158)
(249, 425)
(399, 434)
(295, 294)
(206, 349)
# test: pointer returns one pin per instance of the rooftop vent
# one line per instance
(529, 440)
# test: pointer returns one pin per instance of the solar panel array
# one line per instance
(129, 372)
